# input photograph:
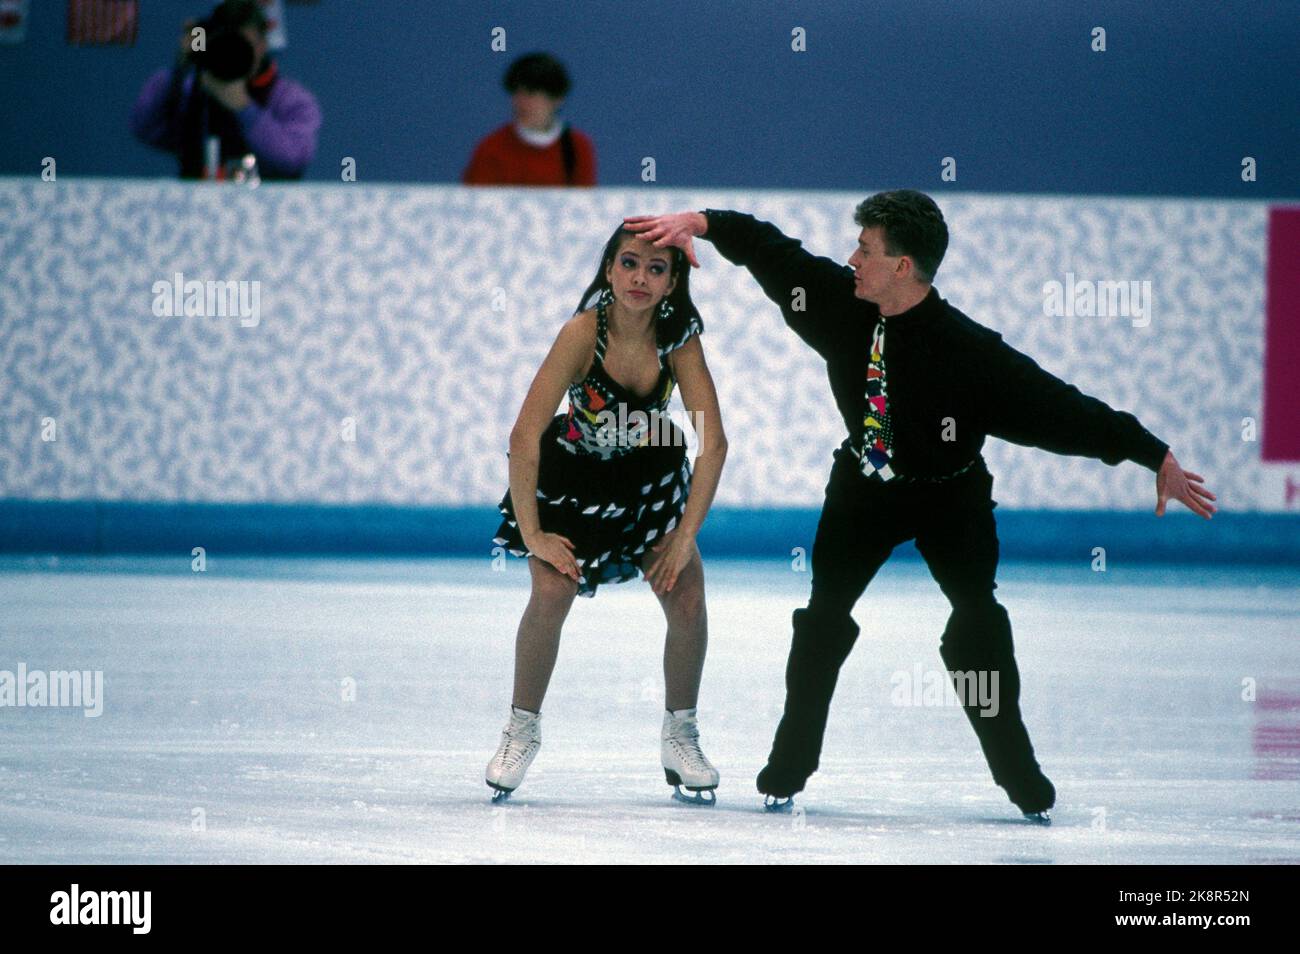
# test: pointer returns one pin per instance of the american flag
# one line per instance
(93, 22)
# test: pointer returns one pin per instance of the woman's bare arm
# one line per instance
(701, 400)
(567, 357)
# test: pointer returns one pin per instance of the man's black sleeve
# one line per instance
(781, 265)
(1029, 406)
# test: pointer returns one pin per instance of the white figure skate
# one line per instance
(685, 766)
(519, 744)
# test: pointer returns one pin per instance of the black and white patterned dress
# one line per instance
(613, 475)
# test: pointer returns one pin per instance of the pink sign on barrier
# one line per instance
(1281, 424)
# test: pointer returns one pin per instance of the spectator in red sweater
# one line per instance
(536, 148)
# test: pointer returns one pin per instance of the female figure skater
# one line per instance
(605, 491)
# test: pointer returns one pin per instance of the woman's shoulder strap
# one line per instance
(602, 331)
(672, 338)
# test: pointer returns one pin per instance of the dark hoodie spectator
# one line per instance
(258, 112)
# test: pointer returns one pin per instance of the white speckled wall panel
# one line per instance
(423, 312)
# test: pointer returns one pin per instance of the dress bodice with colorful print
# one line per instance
(604, 417)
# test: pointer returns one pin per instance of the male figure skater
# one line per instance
(919, 386)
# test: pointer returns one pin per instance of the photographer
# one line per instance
(228, 87)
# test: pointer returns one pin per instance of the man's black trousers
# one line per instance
(863, 519)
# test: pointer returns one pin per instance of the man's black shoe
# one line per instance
(779, 784)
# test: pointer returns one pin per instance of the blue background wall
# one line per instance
(714, 93)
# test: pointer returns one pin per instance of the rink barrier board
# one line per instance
(398, 328)
(107, 527)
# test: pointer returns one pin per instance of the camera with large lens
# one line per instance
(228, 55)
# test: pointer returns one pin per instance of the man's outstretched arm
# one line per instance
(1027, 405)
(811, 290)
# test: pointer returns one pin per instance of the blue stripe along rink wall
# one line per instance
(358, 391)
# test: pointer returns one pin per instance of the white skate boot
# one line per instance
(519, 744)
(684, 764)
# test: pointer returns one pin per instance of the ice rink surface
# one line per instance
(307, 710)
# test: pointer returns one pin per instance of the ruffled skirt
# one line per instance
(613, 511)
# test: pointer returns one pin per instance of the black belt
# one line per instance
(905, 478)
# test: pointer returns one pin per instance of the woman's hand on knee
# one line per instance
(558, 552)
(673, 551)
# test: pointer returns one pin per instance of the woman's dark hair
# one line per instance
(538, 71)
(684, 310)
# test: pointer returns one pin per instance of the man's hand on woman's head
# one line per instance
(677, 230)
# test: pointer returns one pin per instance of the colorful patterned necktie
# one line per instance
(877, 429)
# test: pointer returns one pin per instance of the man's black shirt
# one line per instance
(950, 380)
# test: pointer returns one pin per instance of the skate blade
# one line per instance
(703, 796)
(772, 803)
(500, 795)
(1038, 818)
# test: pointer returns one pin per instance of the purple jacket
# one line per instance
(280, 131)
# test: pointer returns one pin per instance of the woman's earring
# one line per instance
(665, 309)
(606, 296)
